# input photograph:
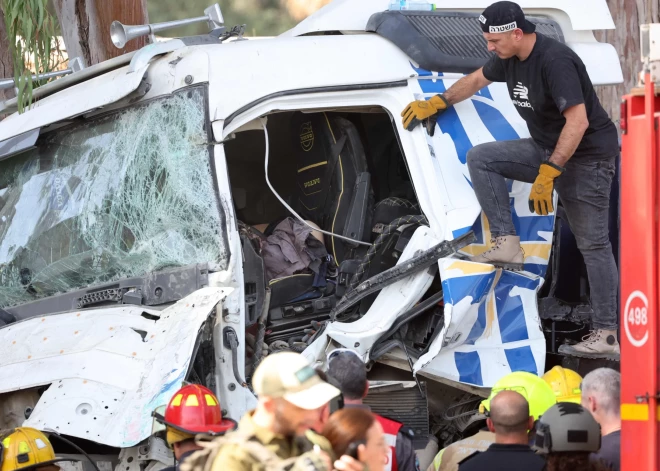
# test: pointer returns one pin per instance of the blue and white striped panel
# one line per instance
(488, 116)
(494, 328)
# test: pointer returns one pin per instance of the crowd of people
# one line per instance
(311, 420)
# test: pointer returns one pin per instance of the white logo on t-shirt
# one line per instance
(521, 91)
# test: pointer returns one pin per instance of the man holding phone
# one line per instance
(291, 396)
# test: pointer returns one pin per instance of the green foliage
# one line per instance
(261, 17)
(31, 30)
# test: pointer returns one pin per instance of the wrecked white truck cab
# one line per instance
(128, 190)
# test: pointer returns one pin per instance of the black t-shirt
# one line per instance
(552, 79)
(610, 451)
(500, 457)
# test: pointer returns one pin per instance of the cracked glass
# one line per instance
(121, 196)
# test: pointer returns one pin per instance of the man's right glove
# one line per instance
(540, 197)
(419, 110)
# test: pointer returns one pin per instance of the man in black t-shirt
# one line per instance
(572, 149)
(601, 395)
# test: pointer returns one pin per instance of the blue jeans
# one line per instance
(584, 191)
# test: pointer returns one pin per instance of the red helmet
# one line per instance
(195, 409)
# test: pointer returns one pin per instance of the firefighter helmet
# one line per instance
(565, 383)
(537, 392)
(27, 448)
(193, 409)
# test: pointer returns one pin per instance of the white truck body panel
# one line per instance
(74, 101)
(108, 368)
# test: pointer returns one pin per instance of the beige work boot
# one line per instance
(598, 344)
(505, 253)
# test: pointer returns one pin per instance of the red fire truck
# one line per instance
(640, 264)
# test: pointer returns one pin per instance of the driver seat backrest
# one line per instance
(333, 182)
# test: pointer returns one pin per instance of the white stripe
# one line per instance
(448, 168)
(532, 321)
(494, 364)
(474, 127)
(390, 439)
(503, 28)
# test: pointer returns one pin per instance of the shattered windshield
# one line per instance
(117, 197)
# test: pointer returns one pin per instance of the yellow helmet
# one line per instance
(565, 383)
(26, 448)
(537, 392)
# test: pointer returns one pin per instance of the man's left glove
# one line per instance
(540, 198)
(419, 110)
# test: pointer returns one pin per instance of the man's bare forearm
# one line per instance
(466, 87)
(571, 135)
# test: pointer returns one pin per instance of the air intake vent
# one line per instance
(444, 42)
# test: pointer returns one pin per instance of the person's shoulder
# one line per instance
(232, 456)
(614, 437)
(406, 433)
(471, 461)
(532, 461)
(553, 50)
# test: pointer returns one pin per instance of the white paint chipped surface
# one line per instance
(105, 380)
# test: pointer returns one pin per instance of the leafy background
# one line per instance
(262, 17)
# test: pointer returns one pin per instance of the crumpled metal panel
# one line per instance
(108, 368)
(491, 325)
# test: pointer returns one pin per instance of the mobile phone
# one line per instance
(352, 449)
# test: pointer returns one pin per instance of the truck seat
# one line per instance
(333, 182)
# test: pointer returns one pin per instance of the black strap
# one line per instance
(335, 151)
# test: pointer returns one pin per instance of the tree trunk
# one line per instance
(6, 61)
(85, 26)
(628, 15)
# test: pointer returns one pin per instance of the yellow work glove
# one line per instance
(540, 198)
(419, 110)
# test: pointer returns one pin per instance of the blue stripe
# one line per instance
(521, 359)
(421, 72)
(479, 326)
(460, 232)
(449, 122)
(485, 92)
(476, 286)
(469, 367)
(536, 268)
(510, 312)
(528, 227)
(496, 124)
(478, 230)
(518, 279)
(432, 86)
